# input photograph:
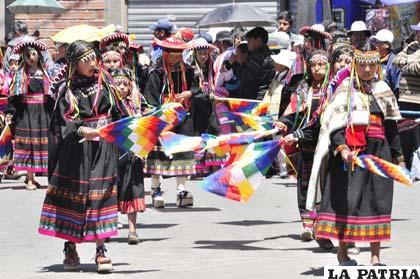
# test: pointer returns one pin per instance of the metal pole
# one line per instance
(305, 14)
(326, 10)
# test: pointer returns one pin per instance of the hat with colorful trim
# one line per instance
(38, 45)
(115, 37)
(200, 43)
(316, 30)
(369, 57)
(171, 44)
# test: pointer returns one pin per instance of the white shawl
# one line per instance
(335, 117)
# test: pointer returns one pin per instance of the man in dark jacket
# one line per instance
(258, 71)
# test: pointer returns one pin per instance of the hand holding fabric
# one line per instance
(184, 96)
(281, 126)
(347, 155)
(89, 133)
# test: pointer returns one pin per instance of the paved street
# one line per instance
(217, 238)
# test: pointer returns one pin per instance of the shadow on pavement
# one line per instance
(292, 236)
(229, 245)
(125, 239)
(152, 226)
(171, 207)
(20, 187)
(319, 250)
(135, 271)
(59, 268)
(315, 250)
(400, 220)
(248, 223)
(314, 272)
(287, 184)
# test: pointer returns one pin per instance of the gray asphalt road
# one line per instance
(217, 238)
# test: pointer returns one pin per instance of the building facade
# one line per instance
(136, 16)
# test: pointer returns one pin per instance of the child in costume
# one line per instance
(172, 81)
(81, 201)
(29, 107)
(130, 168)
(205, 120)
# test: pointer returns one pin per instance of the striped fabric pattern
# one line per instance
(354, 228)
(31, 149)
(79, 216)
(170, 168)
(242, 177)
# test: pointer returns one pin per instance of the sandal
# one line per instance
(30, 185)
(12, 174)
(71, 261)
(325, 244)
(133, 238)
(103, 265)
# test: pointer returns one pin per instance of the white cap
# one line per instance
(285, 58)
(278, 40)
(297, 40)
(384, 35)
(359, 26)
(415, 27)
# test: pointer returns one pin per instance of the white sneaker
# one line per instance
(157, 198)
(184, 198)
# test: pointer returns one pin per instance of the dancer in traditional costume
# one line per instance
(172, 81)
(30, 107)
(81, 201)
(315, 38)
(14, 61)
(361, 119)
(300, 122)
(130, 167)
(206, 120)
(111, 58)
(116, 54)
(341, 57)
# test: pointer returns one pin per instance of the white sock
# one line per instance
(180, 183)
(155, 181)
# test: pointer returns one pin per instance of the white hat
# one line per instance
(384, 35)
(285, 58)
(359, 26)
(297, 40)
(415, 27)
(278, 40)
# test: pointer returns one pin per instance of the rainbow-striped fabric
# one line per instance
(6, 146)
(239, 180)
(220, 145)
(140, 134)
(384, 168)
(245, 120)
(254, 107)
(174, 143)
